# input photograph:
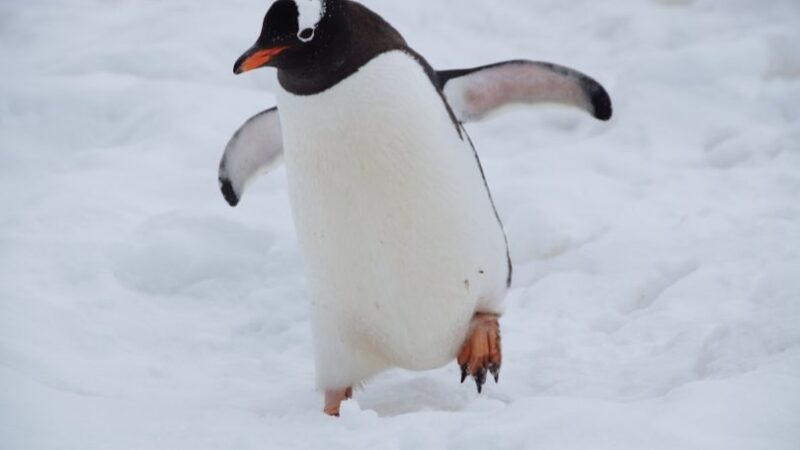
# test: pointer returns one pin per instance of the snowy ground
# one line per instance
(657, 297)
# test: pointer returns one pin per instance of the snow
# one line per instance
(657, 295)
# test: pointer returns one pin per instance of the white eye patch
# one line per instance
(306, 34)
(310, 13)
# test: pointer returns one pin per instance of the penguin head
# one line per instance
(297, 35)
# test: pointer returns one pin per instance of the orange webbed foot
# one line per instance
(334, 399)
(481, 352)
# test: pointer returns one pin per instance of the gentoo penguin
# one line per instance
(406, 256)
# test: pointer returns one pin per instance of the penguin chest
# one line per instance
(392, 213)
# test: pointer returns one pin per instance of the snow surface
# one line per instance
(657, 295)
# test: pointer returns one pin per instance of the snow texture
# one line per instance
(656, 303)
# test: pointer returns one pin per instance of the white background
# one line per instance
(657, 295)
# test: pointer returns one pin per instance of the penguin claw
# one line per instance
(494, 369)
(464, 372)
(480, 379)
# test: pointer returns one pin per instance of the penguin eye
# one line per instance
(306, 34)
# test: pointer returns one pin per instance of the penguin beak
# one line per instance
(256, 57)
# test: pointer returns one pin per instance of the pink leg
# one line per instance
(334, 399)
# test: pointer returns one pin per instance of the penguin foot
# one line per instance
(334, 399)
(481, 352)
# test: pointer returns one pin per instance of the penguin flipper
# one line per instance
(256, 148)
(475, 93)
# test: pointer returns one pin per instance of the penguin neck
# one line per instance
(363, 35)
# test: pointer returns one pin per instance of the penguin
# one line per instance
(407, 260)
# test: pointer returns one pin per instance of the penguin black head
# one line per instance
(298, 35)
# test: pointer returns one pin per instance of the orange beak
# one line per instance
(256, 57)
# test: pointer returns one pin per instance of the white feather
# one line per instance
(400, 237)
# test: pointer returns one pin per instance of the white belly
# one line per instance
(400, 237)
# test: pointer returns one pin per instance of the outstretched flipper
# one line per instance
(475, 93)
(256, 148)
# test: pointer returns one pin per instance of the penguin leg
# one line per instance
(334, 399)
(481, 352)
